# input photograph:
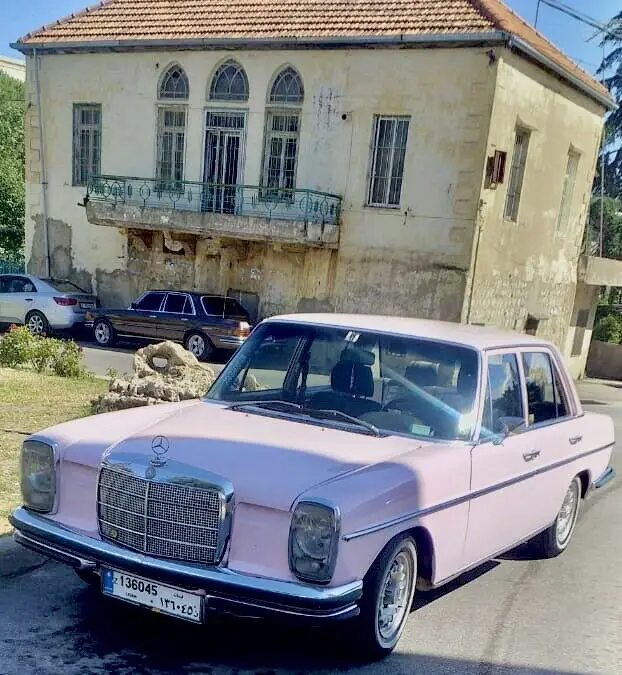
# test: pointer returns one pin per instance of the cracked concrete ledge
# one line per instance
(16, 560)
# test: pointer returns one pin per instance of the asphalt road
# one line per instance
(514, 616)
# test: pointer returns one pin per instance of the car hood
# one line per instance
(269, 461)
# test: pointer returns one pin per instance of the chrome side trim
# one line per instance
(605, 477)
(428, 510)
(267, 595)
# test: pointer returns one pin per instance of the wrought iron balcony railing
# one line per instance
(308, 206)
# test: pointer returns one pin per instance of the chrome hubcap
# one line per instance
(567, 514)
(102, 333)
(196, 344)
(394, 597)
(35, 325)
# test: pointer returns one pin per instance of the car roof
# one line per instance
(196, 293)
(469, 335)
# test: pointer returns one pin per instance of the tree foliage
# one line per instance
(612, 228)
(12, 198)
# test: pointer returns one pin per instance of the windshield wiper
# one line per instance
(288, 406)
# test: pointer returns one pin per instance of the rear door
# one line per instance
(143, 319)
(18, 296)
(175, 318)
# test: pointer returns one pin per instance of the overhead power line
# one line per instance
(579, 16)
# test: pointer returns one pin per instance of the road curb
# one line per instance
(16, 560)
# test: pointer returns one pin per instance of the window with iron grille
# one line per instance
(281, 154)
(572, 164)
(517, 174)
(86, 142)
(387, 160)
(170, 146)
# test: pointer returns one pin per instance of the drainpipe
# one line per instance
(44, 182)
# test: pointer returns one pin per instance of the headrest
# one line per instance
(352, 378)
(355, 355)
(467, 379)
(422, 374)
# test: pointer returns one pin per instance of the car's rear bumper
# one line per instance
(606, 477)
(228, 342)
(226, 591)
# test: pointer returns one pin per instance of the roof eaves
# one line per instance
(531, 52)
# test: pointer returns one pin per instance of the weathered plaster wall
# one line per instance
(412, 260)
(528, 266)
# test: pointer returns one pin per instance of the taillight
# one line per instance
(65, 302)
(243, 330)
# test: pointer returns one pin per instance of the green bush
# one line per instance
(20, 348)
(609, 329)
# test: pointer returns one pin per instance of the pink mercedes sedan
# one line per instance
(337, 465)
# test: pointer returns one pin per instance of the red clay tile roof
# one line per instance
(144, 20)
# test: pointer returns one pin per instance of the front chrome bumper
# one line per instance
(226, 591)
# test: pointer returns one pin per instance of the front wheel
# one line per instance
(555, 539)
(388, 592)
(199, 345)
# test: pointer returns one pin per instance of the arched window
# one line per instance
(229, 83)
(174, 84)
(287, 88)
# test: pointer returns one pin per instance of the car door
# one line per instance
(505, 505)
(554, 429)
(142, 319)
(175, 318)
(17, 297)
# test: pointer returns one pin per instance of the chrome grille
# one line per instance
(162, 519)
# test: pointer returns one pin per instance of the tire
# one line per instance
(199, 344)
(556, 539)
(374, 637)
(36, 323)
(90, 578)
(104, 333)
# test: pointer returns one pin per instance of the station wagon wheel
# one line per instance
(104, 333)
(199, 344)
(388, 591)
(555, 539)
(37, 324)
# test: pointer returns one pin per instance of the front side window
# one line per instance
(87, 119)
(150, 302)
(282, 136)
(171, 146)
(17, 285)
(503, 401)
(565, 207)
(517, 174)
(387, 161)
(332, 373)
(545, 394)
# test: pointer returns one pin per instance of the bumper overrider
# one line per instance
(226, 591)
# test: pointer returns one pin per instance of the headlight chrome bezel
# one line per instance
(26, 487)
(296, 554)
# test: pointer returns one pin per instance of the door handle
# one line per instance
(574, 440)
(153, 316)
(28, 299)
(529, 456)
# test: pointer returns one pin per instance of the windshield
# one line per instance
(399, 385)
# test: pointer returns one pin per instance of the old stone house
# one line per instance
(429, 159)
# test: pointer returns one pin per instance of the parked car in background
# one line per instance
(201, 322)
(337, 464)
(44, 305)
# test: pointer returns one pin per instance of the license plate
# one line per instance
(87, 305)
(147, 593)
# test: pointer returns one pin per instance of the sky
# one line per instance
(18, 18)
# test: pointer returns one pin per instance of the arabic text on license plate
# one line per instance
(87, 305)
(148, 593)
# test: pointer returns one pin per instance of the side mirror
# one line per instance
(508, 426)
(132, 305)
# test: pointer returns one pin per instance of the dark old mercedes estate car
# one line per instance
(201, 322)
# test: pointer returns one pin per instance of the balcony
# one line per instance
(245, 212)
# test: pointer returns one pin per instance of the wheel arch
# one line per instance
(585, 477)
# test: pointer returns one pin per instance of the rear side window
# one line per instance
(151, 302)
(215, 305)
(176, 303)
(503, 392)
(544, 392)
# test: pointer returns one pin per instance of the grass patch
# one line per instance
(30, 402)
